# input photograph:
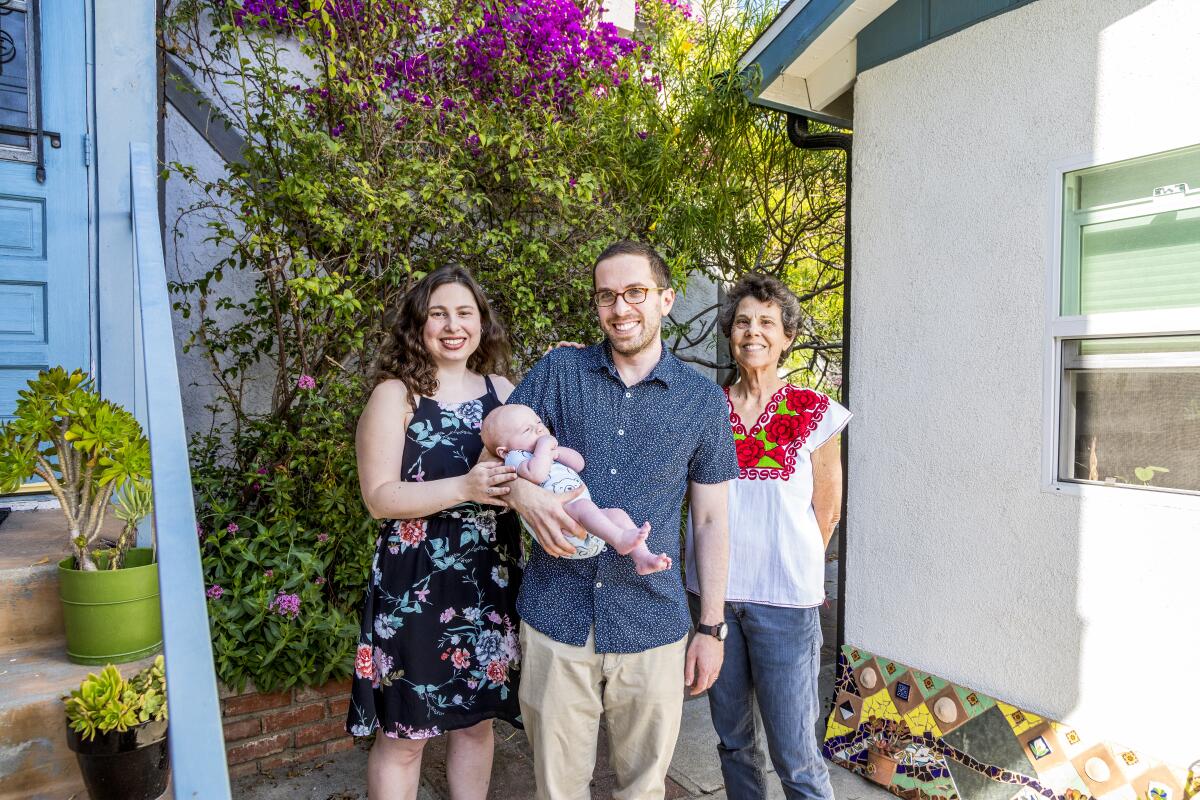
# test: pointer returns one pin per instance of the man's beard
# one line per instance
(632, 348)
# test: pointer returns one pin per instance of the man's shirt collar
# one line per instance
(665, 371)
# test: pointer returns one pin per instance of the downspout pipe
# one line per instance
(798, 135)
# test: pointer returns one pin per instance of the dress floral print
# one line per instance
(438, 648)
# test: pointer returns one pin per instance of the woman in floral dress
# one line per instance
(438, 651)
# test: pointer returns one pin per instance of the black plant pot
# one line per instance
(124, 766)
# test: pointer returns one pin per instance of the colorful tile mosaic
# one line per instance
(946, 742)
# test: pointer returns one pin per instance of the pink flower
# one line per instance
(412, 531)
(494, 618)
(268, 573)
(364, 663)
(447, 615)
(261, 471)
(461, 659)
(232, 527)
(322, 537)
(422, 594)
(286, 605)
(319, 580)
(306, 382)
(471, 684)
(214, 592)
(497, 671)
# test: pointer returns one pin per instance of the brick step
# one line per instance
(34, 758)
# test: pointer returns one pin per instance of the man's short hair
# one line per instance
(629, 247)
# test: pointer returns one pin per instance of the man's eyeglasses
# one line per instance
(633, 295)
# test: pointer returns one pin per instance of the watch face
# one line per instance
(722, 631)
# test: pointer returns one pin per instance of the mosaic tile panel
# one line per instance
(924, 738)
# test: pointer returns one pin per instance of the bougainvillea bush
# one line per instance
(384, 139)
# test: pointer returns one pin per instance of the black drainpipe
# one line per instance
(797, 129)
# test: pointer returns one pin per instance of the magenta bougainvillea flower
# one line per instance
(528, 52)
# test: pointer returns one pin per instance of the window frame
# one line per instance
(1061, 327)
(16, 153)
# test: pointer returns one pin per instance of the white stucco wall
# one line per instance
(960, 562)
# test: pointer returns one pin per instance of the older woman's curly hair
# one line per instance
(765, 289)
(403, 355)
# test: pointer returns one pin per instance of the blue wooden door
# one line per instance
(45, 272)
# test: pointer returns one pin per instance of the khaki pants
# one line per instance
(563, 691)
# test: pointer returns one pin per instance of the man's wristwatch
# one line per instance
(718, 631)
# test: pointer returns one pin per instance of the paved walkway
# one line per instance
(695, 772)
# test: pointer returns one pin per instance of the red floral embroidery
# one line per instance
(783, 429)
(786, 429)
(749, 452)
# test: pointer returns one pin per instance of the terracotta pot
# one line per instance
(881, 766)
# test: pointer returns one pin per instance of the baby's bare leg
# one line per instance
(644, 561)
(598, 523)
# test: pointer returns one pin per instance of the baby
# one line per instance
(516, 434)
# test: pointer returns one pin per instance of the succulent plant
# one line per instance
(84, 447)
(108, 702)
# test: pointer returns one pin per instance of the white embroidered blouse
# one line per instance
(776, 555)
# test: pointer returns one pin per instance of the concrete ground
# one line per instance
(695, 769)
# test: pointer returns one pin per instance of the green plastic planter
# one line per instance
(111, 617)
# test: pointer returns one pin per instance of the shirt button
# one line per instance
(629, 394)
(598, 584)
(621, 432)
(612, 471)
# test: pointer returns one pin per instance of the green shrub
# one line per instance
(286, 521)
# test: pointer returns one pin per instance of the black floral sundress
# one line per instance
(439, 649)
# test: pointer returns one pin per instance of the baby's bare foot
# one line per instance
(629, 539)
(645, 562)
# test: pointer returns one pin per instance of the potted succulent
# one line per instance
(93, 456)
(118, 732)
(887, 740)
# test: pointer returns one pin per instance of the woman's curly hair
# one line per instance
(765, 289)
(403, 355)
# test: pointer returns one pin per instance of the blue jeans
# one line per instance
(773, 655)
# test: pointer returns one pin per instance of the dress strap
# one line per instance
(490, 388)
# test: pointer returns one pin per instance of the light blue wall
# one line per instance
(125, 103)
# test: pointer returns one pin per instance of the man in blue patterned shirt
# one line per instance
(596, 636)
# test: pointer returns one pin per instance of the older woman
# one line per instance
(782, 510)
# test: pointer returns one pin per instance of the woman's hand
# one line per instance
(556, 345)
(485, 483)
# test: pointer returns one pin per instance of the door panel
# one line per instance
(45, 272)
